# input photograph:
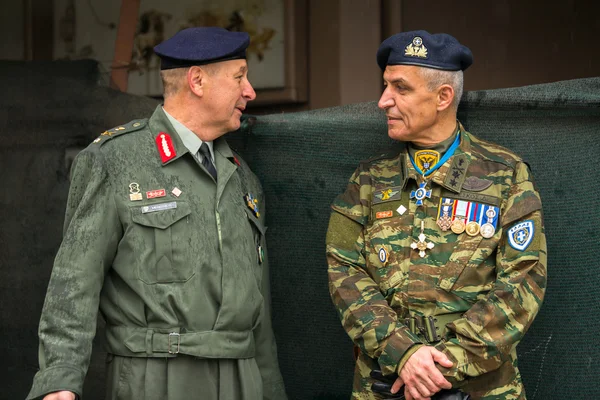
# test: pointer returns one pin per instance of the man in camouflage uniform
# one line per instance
(164, 233)
(437, 255)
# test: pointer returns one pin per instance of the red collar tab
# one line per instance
(165, 147)
(235, 160)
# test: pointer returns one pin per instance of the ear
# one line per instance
(196, 79)
(445, 97)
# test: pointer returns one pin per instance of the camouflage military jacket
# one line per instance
(175, 262)
(381, 273)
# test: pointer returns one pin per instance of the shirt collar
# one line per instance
(188, 138)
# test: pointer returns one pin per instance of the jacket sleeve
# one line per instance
(68, 322)
(365, 314)
(484, 337)
(266, 348)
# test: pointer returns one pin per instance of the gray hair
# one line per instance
(437, 77)
(172, 80)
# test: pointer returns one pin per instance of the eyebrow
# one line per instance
(396, 81)
(243, 69)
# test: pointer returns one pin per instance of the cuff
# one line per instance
(406, 356)
(454, 354)
(397, 345)
(274, 390)
(55, 379)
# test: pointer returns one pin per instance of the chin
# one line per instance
(235, 125)
(400, 136)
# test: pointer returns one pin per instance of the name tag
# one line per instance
(159, 207)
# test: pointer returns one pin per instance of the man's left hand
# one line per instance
(420, 376)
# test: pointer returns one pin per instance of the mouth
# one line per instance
(240, 108)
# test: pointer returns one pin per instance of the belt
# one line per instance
(433, 327)
(160, 342)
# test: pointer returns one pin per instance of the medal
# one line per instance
(488, 230)
(420, 194)
(445, 221)
(458, 225)
(472, 228)
(252, 204)
(134, 190)
(176, 192)
(421, 245)
(460, 217)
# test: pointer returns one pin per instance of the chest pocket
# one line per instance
(165, 234)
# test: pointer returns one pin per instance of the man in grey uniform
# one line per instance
(164, 235)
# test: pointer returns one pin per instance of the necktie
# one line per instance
(206, 160)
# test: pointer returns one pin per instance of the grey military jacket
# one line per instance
(175, 262)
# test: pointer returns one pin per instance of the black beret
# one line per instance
(439, 50)
(202, 45)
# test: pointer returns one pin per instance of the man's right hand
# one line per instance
(62, 395)
(420, 376)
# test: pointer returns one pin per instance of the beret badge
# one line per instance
(416, 48)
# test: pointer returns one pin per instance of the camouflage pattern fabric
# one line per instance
(376, 279)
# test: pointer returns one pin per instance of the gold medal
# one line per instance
(458, 226)
(487, 230)
(472, 228)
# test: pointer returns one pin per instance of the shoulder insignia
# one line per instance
(132, 126)
(384, 156)
(521, 235)
(455, 177)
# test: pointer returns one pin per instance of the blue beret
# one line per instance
(439, 51)
(197, 46)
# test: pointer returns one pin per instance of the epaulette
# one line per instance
(383, 156)
(132, 126)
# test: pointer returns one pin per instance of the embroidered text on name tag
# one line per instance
(159, 207)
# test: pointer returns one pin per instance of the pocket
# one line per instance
(387, 244)
(470, 270)
(167, 232)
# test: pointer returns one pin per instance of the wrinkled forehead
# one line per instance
(405, 73)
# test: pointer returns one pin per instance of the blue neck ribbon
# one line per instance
(449, 153)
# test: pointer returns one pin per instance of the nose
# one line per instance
(248, 93)
(386, 100)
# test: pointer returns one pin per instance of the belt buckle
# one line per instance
(178, 342)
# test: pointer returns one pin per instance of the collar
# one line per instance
(159, 124)
(188, 138)
(452, 173)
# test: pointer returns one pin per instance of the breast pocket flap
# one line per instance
(161, 218)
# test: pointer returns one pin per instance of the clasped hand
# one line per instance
(420, 376)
